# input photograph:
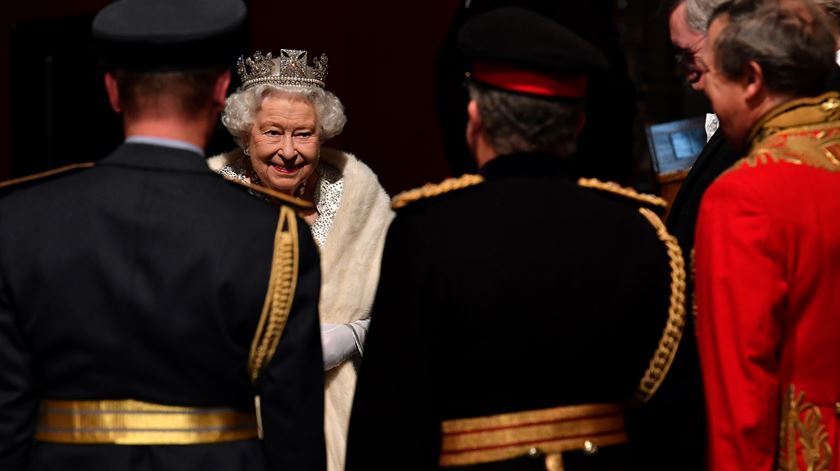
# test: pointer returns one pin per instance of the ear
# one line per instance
(113, 92)
(581, 123)
(753, 81)
(475, 125)
(220, 90)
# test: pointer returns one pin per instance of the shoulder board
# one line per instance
(40, 176)
(434, 189)
(625, 192)
(275, 195)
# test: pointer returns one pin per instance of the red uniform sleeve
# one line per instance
(739, 294)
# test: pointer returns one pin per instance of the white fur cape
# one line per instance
(350, 261)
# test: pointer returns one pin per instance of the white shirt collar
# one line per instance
(164, 142)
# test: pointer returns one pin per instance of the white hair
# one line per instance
(243, 105)
(697, 13)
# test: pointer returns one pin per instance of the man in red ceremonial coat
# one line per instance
(767, 244)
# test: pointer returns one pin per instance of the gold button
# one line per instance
(820, 135)
(534, 452)
(589, 448)
(837, 408)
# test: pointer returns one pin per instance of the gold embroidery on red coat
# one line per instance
(803, 421)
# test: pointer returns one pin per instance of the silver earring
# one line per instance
(246, 151)
(301, 189)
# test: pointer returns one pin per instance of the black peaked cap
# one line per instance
(169, 34)
(526, 39)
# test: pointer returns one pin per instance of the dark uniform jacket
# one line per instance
(676, 415)
(525, 291)
(144, 278)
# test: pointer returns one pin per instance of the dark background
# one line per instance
(383, 64)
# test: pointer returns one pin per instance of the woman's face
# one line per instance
(284, 143)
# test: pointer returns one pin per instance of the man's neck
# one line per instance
(761, 111)
(192, 131)
(484, 152)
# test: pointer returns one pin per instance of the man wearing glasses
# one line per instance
(676, 415)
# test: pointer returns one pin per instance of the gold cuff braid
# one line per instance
(281, 290)
(670, 341)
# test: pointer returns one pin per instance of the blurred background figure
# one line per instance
(767, 244)
(131, 289)
(677, 414)
(280, 117)
(524, 299)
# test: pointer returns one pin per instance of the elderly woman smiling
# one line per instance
(280, 117)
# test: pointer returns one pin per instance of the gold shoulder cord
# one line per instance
(617, 189)
(281, 197)
(48, 173)
(281, 290)
(670, 341)
(434, 189)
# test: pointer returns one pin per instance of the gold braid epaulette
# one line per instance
(281, 291)
(434, 189)
(670, 341)
(626, 192)
(48, 173)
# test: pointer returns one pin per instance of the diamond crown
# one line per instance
(294, 70)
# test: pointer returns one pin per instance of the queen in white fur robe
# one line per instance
(351, 237)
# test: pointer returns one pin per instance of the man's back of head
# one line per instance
(167, 61)
(527, 84)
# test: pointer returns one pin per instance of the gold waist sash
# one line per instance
(547, 431)
(129, 422)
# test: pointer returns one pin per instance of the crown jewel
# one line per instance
(294, 71)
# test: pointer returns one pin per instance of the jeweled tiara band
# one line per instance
(294, 71)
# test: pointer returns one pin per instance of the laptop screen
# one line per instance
(675, 145)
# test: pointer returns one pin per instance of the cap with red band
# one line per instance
(530, 82)
(518, 50)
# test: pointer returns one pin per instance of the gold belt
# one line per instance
(130, 422)
(539, 432)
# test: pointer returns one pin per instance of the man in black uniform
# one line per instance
(676, 418)
(145, 301)
(518, 310)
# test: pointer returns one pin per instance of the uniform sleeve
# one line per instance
(739, 293)
(393, 422)
(18, 407)
(291, 388)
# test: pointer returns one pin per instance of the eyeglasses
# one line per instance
(686, 59)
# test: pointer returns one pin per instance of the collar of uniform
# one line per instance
(799, 112)
(152, 156)
(164, 142)
(534, 165)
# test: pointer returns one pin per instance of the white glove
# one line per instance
(340, 342)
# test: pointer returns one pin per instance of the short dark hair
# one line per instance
(190, 91)
(516, 122)
(792, 40)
